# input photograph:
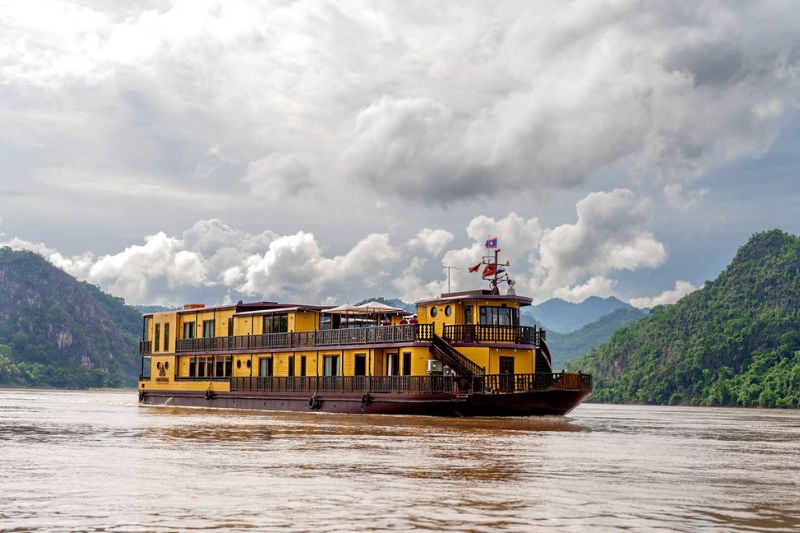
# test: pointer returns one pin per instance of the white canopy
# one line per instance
(344, 309)
(368, 308)
(377, 307)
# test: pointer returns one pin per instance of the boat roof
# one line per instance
(481, 294)
(264, 307)
(242, 308)
(284, 309)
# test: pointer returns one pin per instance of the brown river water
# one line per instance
(77, 461)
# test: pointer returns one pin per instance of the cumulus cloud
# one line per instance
(410, 285)
(670, 296)
(570, 261)
(295, 266)
(434, 241)
(214, 260)
(608, 236)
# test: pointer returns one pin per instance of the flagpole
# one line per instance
(494, 283)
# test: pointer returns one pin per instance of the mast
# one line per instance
(493, 271)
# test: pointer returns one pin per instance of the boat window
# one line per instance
(188, 330)
(201, 367)
(331, 365)
(276, 323)
(291, 366)
(208, 328)
(448, 310)
(303, 365)
(230, 326)
(192, 367)
(468, 314)
(325, 321)
(166, 337)
(433, 311)
(157, 338)
(497, 316)
(239, 363)
(265, 366)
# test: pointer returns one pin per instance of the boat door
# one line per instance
(392, 364)
(264, 367)
(507, 374)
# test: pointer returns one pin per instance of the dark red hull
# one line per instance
(544, 402)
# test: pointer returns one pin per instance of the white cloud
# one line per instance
(410, 285)
(670, 296)
(608, 236)
(679, 198)
(214, 261)
(278, 175)
(459, 101)
(218, 261)
(434, 241)
(595, 286)
(570, 261)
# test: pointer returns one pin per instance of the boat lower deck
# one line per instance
(494, 395)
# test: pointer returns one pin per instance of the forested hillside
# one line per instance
(56, 331)
(736, 341)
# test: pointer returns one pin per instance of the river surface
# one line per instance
(97, 461)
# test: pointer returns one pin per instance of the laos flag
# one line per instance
(491, 243)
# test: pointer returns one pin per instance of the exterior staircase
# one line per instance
(544, 361)
(451, 357)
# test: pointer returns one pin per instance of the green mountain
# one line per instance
(59, 332)
(558, 315)
(736, 341)
(570, 346)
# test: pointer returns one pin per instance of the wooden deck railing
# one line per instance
(499, 383)
(310, 339)
(488, 333)
(405, 333)
(355, 384)
(487, 384)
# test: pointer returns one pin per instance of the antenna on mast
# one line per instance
(449, 268)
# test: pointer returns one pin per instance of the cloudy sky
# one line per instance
(329, 151)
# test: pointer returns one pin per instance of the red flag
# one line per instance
(475, 268)
(489, 270)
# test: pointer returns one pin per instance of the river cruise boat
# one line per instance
(462, 354)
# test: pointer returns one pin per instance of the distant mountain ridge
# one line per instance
(570, 346)
(394, 302)
(59, 332)
(736, 341)
(560, 316)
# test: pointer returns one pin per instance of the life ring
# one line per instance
(313, 402)
(209, 394)
(365, 400)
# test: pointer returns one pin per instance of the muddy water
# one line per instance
(96, 460)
